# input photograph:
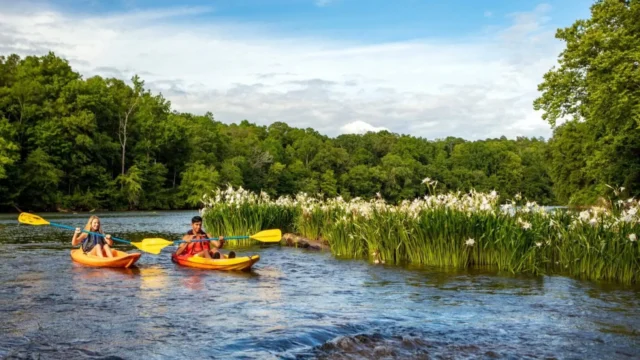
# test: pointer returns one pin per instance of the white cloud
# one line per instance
(488, 13)
(360, 127)
(472, 88)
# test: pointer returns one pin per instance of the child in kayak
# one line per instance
(93, 244)
(206, 249)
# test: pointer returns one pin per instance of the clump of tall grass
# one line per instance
(239, 212)
(455, 229)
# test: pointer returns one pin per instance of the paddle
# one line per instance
(155, 245)
(32, 219)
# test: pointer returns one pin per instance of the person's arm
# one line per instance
(216, 243)
(108, 240)
(183, 246)
(78, 237)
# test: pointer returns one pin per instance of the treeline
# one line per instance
(73, 143)
(96, 143)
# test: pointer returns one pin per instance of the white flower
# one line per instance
(632, 237)
(585, 215)
(426, 180)
(470, 242)
(538, 244)
(626, 217)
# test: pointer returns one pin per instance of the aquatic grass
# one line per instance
(243, 213)
(456, 229)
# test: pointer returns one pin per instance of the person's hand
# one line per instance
(188, 240)
(108, 237)
(77, 232)
(221, 240)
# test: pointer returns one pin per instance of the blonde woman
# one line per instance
(93, 244)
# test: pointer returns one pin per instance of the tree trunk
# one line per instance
(124, 149)
(122, 131)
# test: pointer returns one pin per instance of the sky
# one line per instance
(426, 68)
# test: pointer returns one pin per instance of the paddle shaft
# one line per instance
(88, 232)
(225, 238)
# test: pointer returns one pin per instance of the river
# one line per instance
(294, 304)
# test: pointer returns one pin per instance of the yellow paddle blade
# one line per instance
(152, 245)
(31, 219)
(273, 235)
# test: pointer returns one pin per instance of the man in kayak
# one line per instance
(93, 244)
(206, 249)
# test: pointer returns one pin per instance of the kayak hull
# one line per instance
(120, 259)
(243, 263)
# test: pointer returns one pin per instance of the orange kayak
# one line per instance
(120, 259)
(238, 263)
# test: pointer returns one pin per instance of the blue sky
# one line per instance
(367, 20)
(428, 68)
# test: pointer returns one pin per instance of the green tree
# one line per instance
(39, 181)
(329, 184)
(131, 185)
(8, 149)
(198, 180)
(598, 83)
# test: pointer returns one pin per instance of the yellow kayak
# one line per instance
(120, 259)
(243, 263)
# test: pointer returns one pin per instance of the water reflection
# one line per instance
(193, 282)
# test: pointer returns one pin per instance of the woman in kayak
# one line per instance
(93, 244)
(206, 249)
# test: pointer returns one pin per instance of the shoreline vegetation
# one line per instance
(446, 229)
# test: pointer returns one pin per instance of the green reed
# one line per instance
(475, 231)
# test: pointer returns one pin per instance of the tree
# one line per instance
(128, 100)
(131, 185)
(39, 181)
(598, 84)
(198, 180)
(328, 184)
(8, 149)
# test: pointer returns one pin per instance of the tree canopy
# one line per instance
(592, 99)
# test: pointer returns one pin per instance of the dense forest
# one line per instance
(67, 142)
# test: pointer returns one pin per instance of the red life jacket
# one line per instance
(196, 247)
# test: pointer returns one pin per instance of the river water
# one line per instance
(294, 304)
